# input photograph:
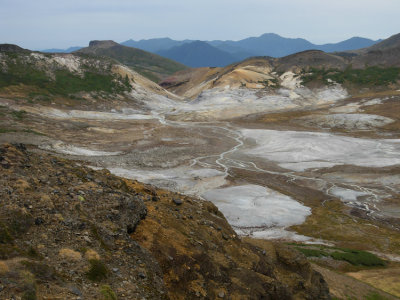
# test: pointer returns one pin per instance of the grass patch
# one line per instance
(312, 252)
(29, 295)
(97, 271)
(18, 114)
(358, 258)
(354, 257)
(41, 271)
(376, 296)
(375, 76)
(108, 293)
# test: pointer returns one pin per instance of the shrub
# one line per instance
(97, 270)
(108, 293)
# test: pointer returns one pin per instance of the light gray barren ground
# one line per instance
(264, 180)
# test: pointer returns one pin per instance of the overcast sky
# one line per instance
(40, 24)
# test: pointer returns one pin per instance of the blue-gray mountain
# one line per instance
(199, 54)
(56, 50)
(268, 44)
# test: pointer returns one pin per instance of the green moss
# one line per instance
(357, 258)
(29, 295)
(19, 115)
(5, 236)
(375, 76)
(6, 130)
(108, 293)
(19, 223)
(97, 271)
(375, 296)
(354, 257)
(312, 252)
(28, 285)
(96, 234)
(41, 271)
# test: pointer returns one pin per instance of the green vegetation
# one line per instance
(29, 295)
(28, 286)
(97, 270)
(150, 65)
(41, 271)
(376, 296)
(354, 257)
(19, 115)
(64, 82)
(8, 130)
(376, 76)
(358, 258)
(5, 236)
(312, 252)
(108, 293)
(273, 82)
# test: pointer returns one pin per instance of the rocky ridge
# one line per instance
(70, 232)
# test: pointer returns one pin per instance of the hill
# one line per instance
(57, 50)
(148, 64)
(383, 54)
(350, 44)
(391, 42)
(69, 78)
(199, 54)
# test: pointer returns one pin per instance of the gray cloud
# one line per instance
(47, 23)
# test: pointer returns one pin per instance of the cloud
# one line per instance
(48, 23)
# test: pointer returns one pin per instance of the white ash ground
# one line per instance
(252, 209)
(248, 209)
(299, 151)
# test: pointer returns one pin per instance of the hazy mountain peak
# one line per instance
(391, 42)
(102, 44)
(11, 48)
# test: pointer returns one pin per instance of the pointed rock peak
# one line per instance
(102, 44)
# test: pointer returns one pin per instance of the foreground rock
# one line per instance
(69, 232)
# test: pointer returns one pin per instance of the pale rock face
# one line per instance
(37, 55)
(290, 80)
(72, 63)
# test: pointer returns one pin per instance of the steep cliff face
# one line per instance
(75, 233)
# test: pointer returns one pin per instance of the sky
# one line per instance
(42, 24)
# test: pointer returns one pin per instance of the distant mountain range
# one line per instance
(56, 50)
(199, 54)
(221, 53)
(191, 53)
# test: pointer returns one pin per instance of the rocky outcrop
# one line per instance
(64, 232)
(203, 258)
(70, 232)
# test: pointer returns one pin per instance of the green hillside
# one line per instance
(149, 65)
